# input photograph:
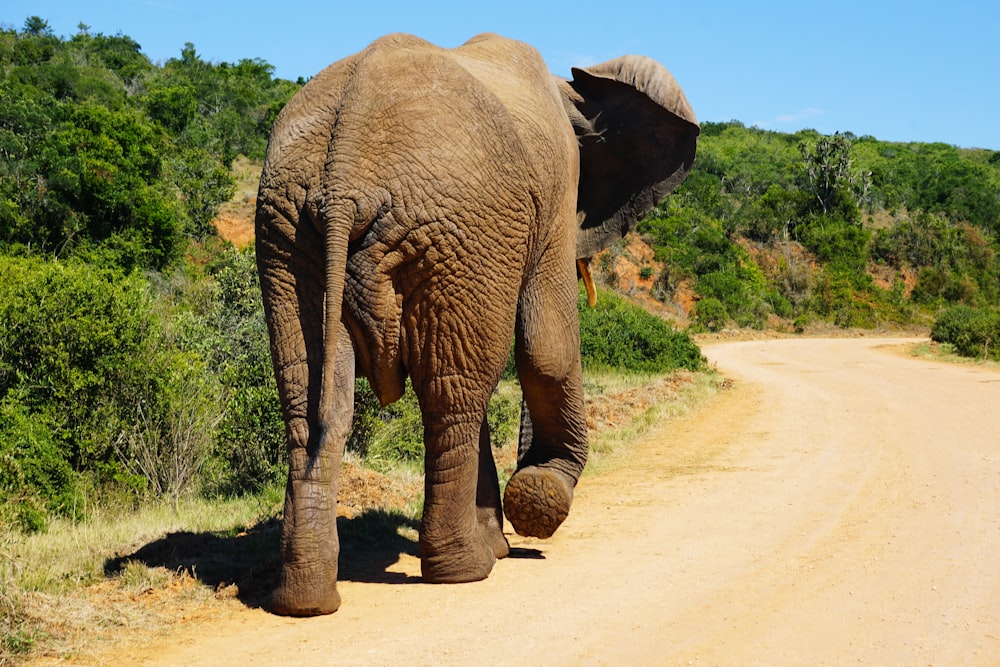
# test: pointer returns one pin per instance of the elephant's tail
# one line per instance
(338, 226)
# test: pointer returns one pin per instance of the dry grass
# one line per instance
(616, 420)
(76, 583)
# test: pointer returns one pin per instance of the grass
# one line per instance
(946, 352)
(131, 573)
(70, 554)
(58, 586)
(674, 396)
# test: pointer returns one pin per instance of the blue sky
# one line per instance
(899, 71)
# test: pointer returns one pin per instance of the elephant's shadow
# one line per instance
(370, 543)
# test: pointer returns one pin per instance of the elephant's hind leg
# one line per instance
(461, 530)
(293, 298)
(310, 546)
(489, 514)
(452, 548)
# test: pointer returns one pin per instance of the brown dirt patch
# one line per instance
(235, 221)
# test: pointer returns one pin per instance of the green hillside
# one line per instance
(133, 351)
(851, 230)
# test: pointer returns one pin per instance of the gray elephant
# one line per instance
(418, 209)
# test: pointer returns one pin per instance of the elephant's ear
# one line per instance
(637, 137)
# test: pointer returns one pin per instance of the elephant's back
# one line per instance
(475, 131)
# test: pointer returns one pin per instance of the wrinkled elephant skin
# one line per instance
(419, 208)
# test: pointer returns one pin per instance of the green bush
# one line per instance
(250, 440)
(169, 435)
(73, 345)
(741, 292)
(394, 434)
(710, 314)
(971, 332)
(35, 477)
(952, 323)
(70, 338)
(503, 417)
(134, 381)
(620, 336)
(842, 244)
(849, 299)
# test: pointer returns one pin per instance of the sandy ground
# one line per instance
(839, 505)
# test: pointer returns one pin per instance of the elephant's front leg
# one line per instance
(553, 439)
(551, 457)
(453, 544)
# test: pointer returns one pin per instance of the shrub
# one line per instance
(103, 376)
(972, 332)
(250, 440)
(76, 358)
(952, 323)
(710, 314)
(742, 293)
(70, 341)
(842, 244)
(169, 437)
(620, 336)
(35, 477)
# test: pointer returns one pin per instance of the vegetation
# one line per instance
(969, 331)
(134, 365)
(116, 160)
(772, 228)
(133, 349)
(620, 336)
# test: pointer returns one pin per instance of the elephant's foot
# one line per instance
(491, 531)
(457, 563)
(303, 596)
(537, 500)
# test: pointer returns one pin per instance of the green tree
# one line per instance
(37, 27)
(205, 185)
(835, 186)
(72, 341)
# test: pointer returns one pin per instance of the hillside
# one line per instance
(135, 371)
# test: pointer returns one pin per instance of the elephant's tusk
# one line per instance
(583, 266)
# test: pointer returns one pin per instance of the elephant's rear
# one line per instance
(455, 189)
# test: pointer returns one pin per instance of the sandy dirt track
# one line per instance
(839, 505)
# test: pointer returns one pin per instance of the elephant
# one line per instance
(419, 208)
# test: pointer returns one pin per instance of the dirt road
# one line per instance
(839, 505)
